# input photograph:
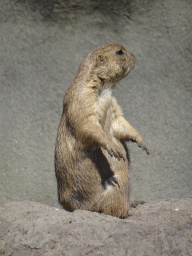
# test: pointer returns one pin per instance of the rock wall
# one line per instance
(42, 45)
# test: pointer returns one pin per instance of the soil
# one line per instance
(161, 227)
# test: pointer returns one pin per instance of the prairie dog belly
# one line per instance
(103, 106)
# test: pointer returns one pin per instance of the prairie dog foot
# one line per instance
(134, 203)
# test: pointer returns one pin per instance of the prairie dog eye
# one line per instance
(120, 52)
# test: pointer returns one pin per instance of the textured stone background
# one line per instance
(41, 46)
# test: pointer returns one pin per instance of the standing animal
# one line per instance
(91, 157)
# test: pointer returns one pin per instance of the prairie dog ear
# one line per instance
(101, 60)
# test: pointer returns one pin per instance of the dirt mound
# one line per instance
(158, 228)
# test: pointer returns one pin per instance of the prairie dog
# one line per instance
(91, 157)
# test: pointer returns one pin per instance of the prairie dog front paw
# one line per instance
(114, 150)
(140, 142)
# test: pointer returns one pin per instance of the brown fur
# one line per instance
(91, 158)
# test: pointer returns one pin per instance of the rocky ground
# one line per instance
(161, 227)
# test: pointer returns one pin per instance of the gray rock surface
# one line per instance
(41, 46)
(161, 227)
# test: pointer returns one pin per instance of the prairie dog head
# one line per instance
(110, 63)
(113, 63)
